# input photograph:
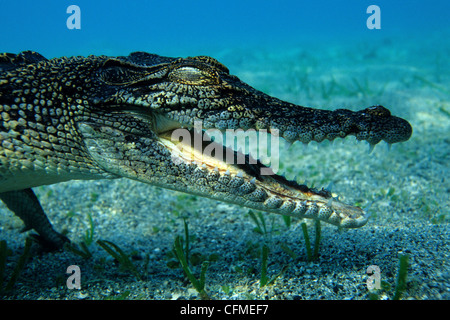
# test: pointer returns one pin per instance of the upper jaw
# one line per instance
(297, 123)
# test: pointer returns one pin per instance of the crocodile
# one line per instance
(102, 117)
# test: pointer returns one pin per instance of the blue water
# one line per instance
(199, 27)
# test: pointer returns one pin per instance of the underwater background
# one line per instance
(204, 27)
(314, 53)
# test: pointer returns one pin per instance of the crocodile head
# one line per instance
(181, 91)
(150, 118)
(163, 110)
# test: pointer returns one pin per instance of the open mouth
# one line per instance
(246, 180)
(198, 160)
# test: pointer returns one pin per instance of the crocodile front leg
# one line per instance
(26, 206)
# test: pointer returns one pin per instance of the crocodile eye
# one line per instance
(192, 75)
(119, 76)
(118, 72)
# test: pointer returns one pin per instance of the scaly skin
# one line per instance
(101, 117)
